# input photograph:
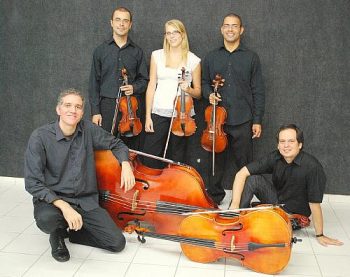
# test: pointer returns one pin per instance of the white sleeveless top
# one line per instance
(167, 82)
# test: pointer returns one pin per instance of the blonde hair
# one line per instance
(179, 26)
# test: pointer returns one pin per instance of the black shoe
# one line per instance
(59, 249)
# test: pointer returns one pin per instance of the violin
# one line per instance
(159, 197)
(129, 125)
(261, 240)
(183, 124)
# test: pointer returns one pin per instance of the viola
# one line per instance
(214, 139)
(261, 240)
(159, 197)
(129, 125)
(183, 124)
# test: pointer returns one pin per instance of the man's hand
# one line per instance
(325, 241)
(97, 119)
(256, 130)
(214, 99)
(127, 177)
(73, 218)
(127, 89)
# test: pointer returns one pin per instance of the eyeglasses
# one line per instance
(175, 32)
(231, 26)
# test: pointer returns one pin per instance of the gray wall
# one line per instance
(46, 46)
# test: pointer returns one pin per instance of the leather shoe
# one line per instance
(59, 249)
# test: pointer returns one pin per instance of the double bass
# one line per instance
(159, 197)
(214, 139)
(129, 125)
(260, 239)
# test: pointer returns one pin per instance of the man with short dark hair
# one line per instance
(106, 80)
(60, 174)
(242, 95)
(298, 181)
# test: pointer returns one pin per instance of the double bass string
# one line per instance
(149, 206)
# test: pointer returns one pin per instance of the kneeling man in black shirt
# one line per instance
(60, 174)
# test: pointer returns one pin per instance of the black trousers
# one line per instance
(98, 229)
(239, 153)
(107, 106)
(154, 143)
(262, 187)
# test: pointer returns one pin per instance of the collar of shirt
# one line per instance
(128, 42)
(59, 133)
(297, 159)
(240, 47)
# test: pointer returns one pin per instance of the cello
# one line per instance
(261, 239)
(214, 138)
(129, 125)
(159, 197)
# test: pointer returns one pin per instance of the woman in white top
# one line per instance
(164, 86)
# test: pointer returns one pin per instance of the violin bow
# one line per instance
(172, 116)
(267, 207)
(158, 158)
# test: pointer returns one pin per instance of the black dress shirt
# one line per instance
(297, 184)
(57, 167)
(105, 76)
(242, 94)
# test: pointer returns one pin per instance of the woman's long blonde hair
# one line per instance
(179, 26)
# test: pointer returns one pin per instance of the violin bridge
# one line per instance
(233, 246)
(134, 200)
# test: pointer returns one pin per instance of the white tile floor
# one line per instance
(25, 251)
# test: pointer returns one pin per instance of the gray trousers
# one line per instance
(262, 187)
(98, 229)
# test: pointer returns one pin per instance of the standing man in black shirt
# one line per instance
(109, 58)
(298, 181)
(242, 95)
(60, 174)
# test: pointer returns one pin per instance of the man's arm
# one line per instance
(238, 186)
(317, 218)
(258, 91)
(207, 89)
(102, 140)
(94, 85)
(140, 83)
(34, 168)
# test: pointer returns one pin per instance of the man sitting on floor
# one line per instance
(298, 181)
